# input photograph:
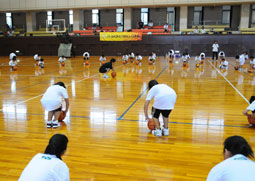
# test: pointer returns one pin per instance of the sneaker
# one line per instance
(55, 124)
(157, 132)
(49, 124)
(105, 76)
(165, 132)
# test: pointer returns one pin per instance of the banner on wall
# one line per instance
(120, 36)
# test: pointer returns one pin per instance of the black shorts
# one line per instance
(58, 109)
(156, 112)
(102, 70)
(171, 56)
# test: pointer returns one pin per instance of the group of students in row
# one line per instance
(223, 63)
(238, 162)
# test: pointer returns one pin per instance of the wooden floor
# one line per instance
(108, 136)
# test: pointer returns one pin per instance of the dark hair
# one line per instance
(14, 58)
(237, 56)
(152, 83)
(57, 145)
(113, 60)
(252, 99)
(41, 59)
(251, 57)
(223, 59)
(221, 53)
(60, 84)
(102, 55)
(238, 145)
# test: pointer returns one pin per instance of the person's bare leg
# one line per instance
(156, 121)
(50, 115)
(56, 115)
(55, 121)
(165, 122)
(165, 128)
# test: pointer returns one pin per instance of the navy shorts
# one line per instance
(156, 112)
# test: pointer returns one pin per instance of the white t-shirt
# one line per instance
(246, 57)
(223, 54)
(12, 55)
(241, 59)
(215, 47)
(86, 54)
(225, 63)
(164, 97)
(41, 62)
(251, 107)
(253, 62)
(185, 58)
(154, 56)
(62, 59)
(53, 96)
(139, 57)
(235, 168)
(132, 55)
(197, 59)
(202, 54)
(102, 59)
(125, 57)
(36, 57)
(12, 63)
(45, 167)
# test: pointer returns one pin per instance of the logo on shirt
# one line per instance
(46, 157)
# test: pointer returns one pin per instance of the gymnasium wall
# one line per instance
(107, 17)
(62, 15)
(87, 18)
(157, 15)
(2, 21)
(19, 20)
(41, 18)
(11, 5)
(190, 16)
(136, 17)
(235, 17)
(213, 14)
(177, 19)
(232, 45)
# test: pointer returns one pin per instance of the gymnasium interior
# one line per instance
(106, 127)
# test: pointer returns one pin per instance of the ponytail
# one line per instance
(57, 145)
(238, 145)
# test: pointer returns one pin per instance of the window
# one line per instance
(253, 15)
(95, 16)
(119, 17)
(198, 15)
(171, 16)
(9, 19)
(49, 17)
(71, 17)
(145, 15)
(226, 14)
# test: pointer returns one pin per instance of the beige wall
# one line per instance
(12, 5)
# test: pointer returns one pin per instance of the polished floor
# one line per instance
(108, 135)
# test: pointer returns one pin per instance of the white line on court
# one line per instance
(230, 83)
(66, 86)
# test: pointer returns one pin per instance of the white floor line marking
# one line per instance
(66, 86)
(230, 83)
